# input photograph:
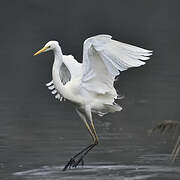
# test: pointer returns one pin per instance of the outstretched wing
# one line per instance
(104, 59)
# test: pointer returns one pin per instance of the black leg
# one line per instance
(72, 162)
(83, 155)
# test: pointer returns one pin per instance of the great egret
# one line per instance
(90, 84)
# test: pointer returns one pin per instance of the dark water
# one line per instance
(37, 139)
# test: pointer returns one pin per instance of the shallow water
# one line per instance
(99, 171)
(36, 142)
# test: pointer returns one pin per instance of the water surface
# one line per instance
(37, 140)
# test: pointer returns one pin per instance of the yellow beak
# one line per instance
(40, 51)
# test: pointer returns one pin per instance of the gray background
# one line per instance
(35, 129)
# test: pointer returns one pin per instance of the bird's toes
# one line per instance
(79, 161)
(73, 163)
(70, 164)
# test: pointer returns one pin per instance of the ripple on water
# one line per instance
(102, 172)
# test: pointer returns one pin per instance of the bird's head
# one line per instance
(51, 45)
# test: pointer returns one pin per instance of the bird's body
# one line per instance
(90, 84)
(72, 89)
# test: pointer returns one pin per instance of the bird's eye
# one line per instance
(49, 46)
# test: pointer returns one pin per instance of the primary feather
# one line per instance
(104, 59)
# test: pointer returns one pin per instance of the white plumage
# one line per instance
(90, 84)
(92, 81)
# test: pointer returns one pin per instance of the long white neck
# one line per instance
(58, 60)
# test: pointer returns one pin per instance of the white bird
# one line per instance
(90, 84)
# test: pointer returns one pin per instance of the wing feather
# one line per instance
(74, 67)
(104, 59)
(64, 74)
(69, 69)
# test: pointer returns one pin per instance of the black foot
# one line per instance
(79, 161)
(73, 163)
(69, 164)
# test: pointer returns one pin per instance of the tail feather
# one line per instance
(113, 107)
